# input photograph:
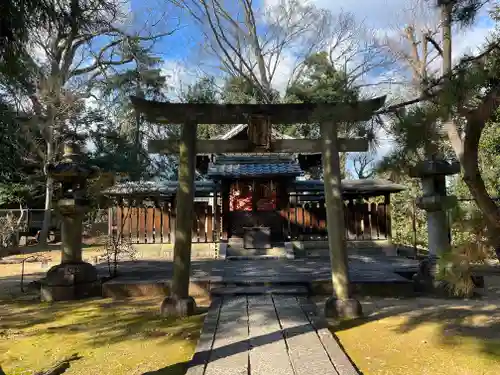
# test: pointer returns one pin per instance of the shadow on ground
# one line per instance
(108, 321)
(457, 321)
(176, 369)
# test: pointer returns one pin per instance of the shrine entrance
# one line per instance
(254, 213)
(259, 118)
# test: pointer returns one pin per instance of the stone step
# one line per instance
(259, 290)
(237, 250)
(240, 253)
(254, 257)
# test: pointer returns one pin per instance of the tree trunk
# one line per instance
(257, 50)
(467, 149)
(49, 188)
(335, 211)
(184, 211)
(446, 10)
(474, 181)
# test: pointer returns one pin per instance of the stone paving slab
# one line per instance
(339, 358)
(259, 290)
(229, 355)
(205, 343)
(361, 270)
(268, 353)
(307, 354)
(267, 334)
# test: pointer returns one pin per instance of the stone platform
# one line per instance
(369, 276)
(267, 334)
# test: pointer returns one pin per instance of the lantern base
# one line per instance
(70, 281)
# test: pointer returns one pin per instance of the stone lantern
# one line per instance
(73, 278)
(435, 202)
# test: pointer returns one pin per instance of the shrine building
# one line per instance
(254, 205)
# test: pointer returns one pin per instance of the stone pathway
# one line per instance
(361, 269)
(267, 334)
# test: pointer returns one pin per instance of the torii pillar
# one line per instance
(179, 302)
(342, 305)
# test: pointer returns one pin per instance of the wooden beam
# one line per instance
(178, 113)
(311, 146)
(300, 146)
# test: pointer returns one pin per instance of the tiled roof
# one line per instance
(254, 159)
(363, 186)
(254, 170)
(164, 188)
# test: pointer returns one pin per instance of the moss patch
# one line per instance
(113, 337)
(426, 339)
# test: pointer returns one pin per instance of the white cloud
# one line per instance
(179, 76)
(284, 72)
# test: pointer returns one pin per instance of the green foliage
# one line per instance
(238, 90)
(412, 130)
(321, 82)
(464, 12)
(17, 18)
(409, 224)
(114, 152)
(9, 144)
(121, 146)
(13, 194)
(206, 91)
(489, 163)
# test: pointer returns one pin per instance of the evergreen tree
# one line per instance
(321, 82)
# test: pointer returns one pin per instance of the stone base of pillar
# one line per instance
(343, 309)
(178, 307)
(70, 281)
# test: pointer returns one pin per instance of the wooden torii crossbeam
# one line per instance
(260, 118)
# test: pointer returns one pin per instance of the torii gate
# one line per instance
(260, 118)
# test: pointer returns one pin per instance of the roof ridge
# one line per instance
(238, 128)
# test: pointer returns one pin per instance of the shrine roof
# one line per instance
(239, 166)
(157, 188)
(254, 170)
(365, 187)
(354, 187)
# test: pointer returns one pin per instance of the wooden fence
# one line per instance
(157, 225)
(300, 221)
(363, 221)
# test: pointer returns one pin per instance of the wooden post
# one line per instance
(179, 303)
(388, 223)
(225, 210)
(342, 305)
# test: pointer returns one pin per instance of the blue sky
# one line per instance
(181, 51)
(183, 48)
